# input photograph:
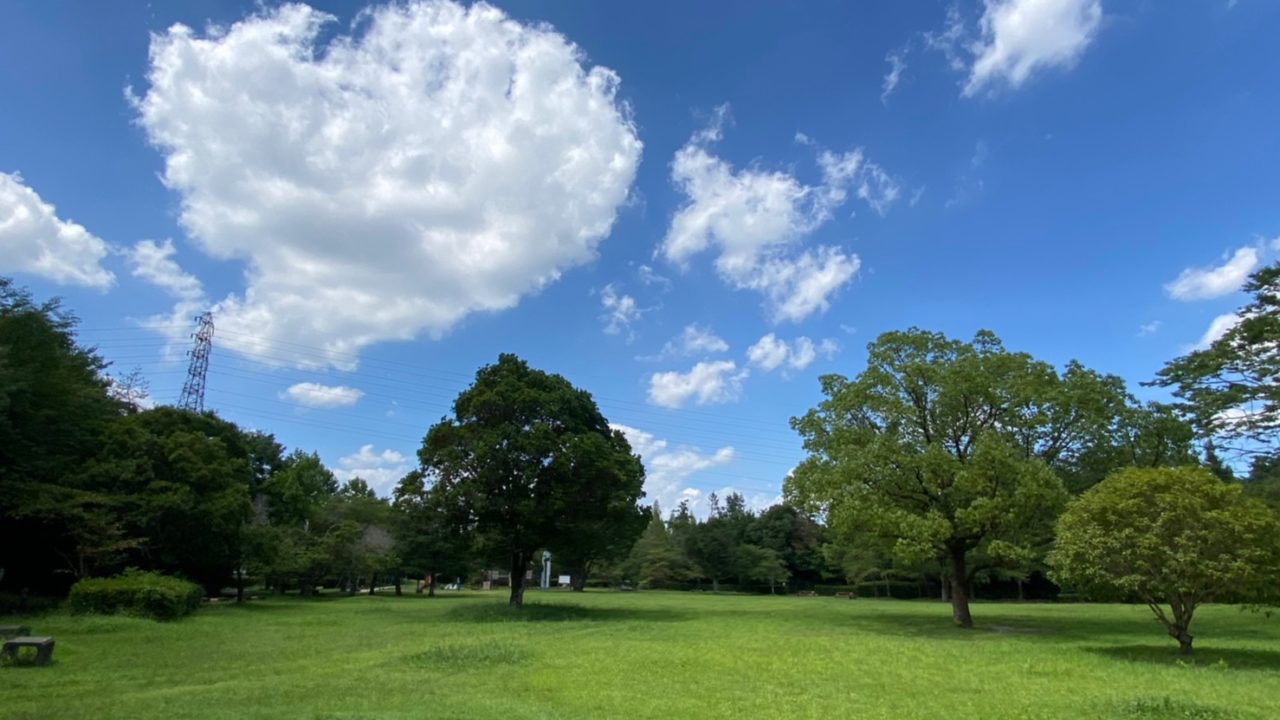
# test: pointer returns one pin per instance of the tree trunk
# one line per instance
(431, 585)
(1184, 643)
(239, 585)
(1021, 595)
(397, 583)
(373, 583)
(944, 584)
(519, 562)
(579, 581)
(959, 592)
(715, 586)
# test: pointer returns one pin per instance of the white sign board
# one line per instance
(564, 579)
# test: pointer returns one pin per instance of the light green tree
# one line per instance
(1173, 538)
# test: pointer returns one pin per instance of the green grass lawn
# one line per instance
(655, 655)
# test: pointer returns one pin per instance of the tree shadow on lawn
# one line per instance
(1206, 658)
(491, 612)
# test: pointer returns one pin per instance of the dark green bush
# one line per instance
(133, 592)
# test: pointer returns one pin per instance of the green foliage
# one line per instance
(529, 462)
(180, 484)
(133, 592)
(944, 448)
(1169, 536)
(1229, 390)
(54, 407)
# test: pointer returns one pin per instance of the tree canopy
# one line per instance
(1176, 537)
(529, 462)
(1230, 390)
(949, 449)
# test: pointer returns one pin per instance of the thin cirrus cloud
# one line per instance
(756, 221)
(438, 160)
(315, 395)
(33, 239)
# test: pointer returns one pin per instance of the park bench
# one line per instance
(806, 593)
(8, 631)
(845, 595)
(43, 646)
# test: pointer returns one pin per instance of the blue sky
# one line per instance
(691, 210)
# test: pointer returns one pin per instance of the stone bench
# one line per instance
(43, 646)
(8, 631)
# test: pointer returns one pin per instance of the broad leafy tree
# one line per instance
(1173, 538)
(54, 407)
(181, 481)
(526, 461)
(946, 449)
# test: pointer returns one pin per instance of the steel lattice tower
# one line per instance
(193, 389)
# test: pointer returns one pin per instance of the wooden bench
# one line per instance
(8, 631)
(43, 646)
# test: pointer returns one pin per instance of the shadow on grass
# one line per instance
(491, 612)
(935, 622)
(1207, 658)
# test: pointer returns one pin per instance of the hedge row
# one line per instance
(146, 594)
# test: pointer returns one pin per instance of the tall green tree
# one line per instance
(945, 448)
(1230, 391)
(54, 407)
(526, 459)
(1171, 538)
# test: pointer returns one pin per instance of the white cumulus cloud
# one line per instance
(33, 239)
(1204, 283)
(668, 469)
(1021, 37)
(381, 470)
(707, 383)
(436, 161)
(620, 311)
(315, 395)
(693, 340)
(757, 220)
(769, 353)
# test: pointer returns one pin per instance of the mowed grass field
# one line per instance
(647, 655)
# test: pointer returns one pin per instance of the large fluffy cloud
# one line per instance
(668, 469)
(438, 161)
(1021, 37)
(757, 221)
(33, 239)
(1210, 282)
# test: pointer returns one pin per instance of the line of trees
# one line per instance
(93, 482)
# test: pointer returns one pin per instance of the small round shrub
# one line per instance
(134, 592)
